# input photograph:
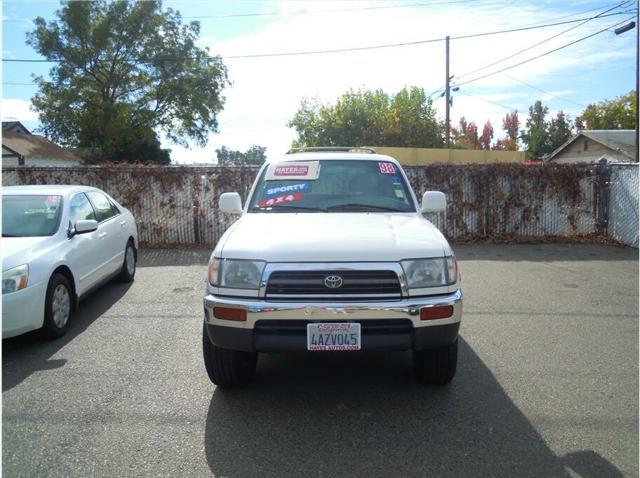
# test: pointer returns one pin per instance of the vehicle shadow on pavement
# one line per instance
(28, 353)
(363, 415)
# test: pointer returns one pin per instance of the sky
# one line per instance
(267, 91)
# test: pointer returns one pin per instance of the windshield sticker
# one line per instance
(399, 193)
(387, 168)
(287, 189)
(53, 199)
(280, 200)
(283, 171)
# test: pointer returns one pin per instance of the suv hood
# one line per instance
(333, 237)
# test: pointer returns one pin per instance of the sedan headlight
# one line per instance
(15, 279)
(422, 273)
(235, 273)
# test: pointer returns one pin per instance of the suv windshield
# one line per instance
(332, 186)
(30, 216)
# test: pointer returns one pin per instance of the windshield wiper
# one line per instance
(292, 207)
(9, 235)
(359, 207)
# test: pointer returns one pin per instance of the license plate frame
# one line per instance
(334, 336)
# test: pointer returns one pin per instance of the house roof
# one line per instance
(35, 146)
(14, 126)
(619, 140)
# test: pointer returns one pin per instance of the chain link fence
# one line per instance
(624, 185)
(179, 205)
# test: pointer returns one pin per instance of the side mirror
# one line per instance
(434, 201)
(230, 203)
(84, 226)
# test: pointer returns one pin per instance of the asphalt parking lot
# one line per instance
(547, 384)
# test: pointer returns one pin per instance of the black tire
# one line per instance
(127, 274)
(436, 366)
(228, 368)
(59, 293)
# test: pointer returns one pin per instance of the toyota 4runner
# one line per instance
(331, 252)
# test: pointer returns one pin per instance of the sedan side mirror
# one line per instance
(434, 201)
(230, 203)
(84, 226)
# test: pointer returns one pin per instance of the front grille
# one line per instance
(363, 284)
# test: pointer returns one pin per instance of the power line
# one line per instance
(543, 54)
(545, 92)
(488, 101)
(336, 10)
(600, 15)
(336, 50)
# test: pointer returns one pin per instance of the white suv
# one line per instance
(331, 252)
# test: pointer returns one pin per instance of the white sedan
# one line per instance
(58, 244)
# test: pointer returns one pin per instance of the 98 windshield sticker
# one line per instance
(280, 200)
(287, 189)
(297, 171)
(387, 168)
(333, 336)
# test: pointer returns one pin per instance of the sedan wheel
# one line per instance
(61, 307)
(58, 307)
(128, 271)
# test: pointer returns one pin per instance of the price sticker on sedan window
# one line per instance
(333, 336)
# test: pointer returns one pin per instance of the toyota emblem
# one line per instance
(333, 282)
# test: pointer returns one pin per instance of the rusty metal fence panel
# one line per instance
(623, 203)
(176, 205)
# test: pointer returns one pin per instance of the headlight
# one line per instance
(430, 272)
(15, 279)
(235, 273)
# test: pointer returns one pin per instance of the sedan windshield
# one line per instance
(332, 186)
(30, 216)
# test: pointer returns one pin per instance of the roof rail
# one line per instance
(334, 149)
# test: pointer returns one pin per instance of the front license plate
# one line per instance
(333, 336)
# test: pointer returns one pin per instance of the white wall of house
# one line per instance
(51, 162)
(9, 161)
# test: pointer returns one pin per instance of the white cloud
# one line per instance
(17, 110)
(266, 92)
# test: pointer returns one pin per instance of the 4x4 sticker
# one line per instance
(387, 168)
(280, 199)
(287, 189)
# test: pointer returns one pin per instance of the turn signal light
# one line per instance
(227, 313)
(433, 313)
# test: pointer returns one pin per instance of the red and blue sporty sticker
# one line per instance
(287, 189)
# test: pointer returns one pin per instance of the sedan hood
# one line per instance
(20, 250)
(333, 237)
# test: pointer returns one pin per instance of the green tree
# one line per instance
(124, 70)
(610, 114)
(536, 134)
(560, 129)
(372, 118)
(254, 155)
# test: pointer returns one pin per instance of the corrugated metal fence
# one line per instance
(178, 205)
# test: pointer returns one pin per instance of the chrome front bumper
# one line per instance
(408, 308)
(281, 326)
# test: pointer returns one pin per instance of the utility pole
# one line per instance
(447, 97)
